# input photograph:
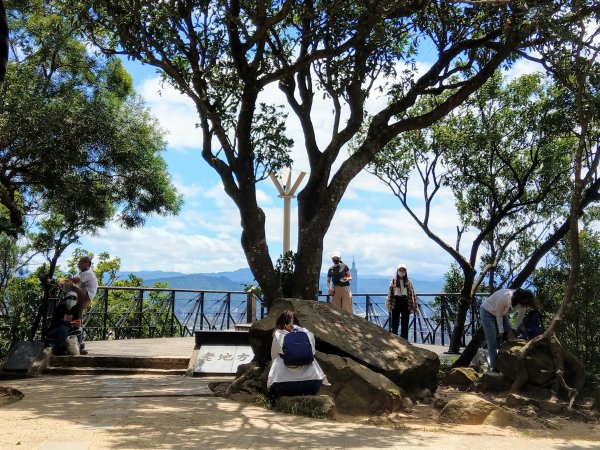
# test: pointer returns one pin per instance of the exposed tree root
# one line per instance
(562, 359)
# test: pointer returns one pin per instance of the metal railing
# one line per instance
(434, 322)
(143, 312)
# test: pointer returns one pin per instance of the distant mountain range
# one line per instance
(234, 281)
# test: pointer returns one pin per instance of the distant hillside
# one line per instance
(150, 274)
(234, 281)
(198, 281)
(240, 275)
(380, 285)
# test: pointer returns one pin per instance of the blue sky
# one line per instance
(370, 225)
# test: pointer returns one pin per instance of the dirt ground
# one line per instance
(152, 412)
(547, 425)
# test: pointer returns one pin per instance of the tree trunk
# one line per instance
(43, 308)
(459, 326)
(470, 350)
(3, 42)
(466, 298)
(254, 244)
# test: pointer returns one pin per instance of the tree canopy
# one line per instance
(223, 54)
(74, 137)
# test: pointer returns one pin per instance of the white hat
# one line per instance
(336, 255)
(71, 294)
(401, 266)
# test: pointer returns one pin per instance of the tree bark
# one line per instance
(4, 41)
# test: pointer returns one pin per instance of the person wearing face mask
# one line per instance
(85, 285)
(338, 283)
(65, 318)
(401, 301)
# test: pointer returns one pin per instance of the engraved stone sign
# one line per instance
(222, 359)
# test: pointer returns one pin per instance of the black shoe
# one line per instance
(83, 351)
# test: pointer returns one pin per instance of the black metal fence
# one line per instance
(127, 313)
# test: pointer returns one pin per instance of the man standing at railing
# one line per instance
(338, 283)
(85, 284)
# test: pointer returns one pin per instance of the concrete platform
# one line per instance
(176, 347)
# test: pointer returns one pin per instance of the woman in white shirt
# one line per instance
(494, 313)
(284, 380)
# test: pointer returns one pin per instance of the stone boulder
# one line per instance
(466, 409)
(469, 409)
(315, 406)
(494, 382)
(340, 333)
(461, 377)
(357, 389)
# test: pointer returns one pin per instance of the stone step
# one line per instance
(111, 371)
(119, 362)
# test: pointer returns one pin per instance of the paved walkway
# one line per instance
(175, 412)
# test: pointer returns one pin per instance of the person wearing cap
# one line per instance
(495, 313)
(401, 301)
(65, 318)
(338, 283)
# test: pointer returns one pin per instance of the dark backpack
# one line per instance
(532, 325)
(296, 348)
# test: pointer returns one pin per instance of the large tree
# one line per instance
(3, 42)
(223, 53)
(504, 155)
(74, 137)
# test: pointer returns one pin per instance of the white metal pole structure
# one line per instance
(286, 192)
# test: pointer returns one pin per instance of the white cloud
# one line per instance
(205, 237)
(153, 248)
(523, 67)
(175, 112)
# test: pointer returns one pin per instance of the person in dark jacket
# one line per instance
(65, 319)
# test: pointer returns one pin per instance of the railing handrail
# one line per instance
(144, 288)
(196, 313)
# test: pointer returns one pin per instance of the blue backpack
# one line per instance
(532, 325)
(296, 348)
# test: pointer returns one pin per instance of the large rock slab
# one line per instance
(357, 389)
(344, 334)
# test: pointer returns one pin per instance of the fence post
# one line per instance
(443, 311)
(367, 307)
(172, 312)
(228, 308)
(105, 314)
(250, 308)
(140, 311)
(201, 300)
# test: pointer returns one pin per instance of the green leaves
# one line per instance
(74, 138)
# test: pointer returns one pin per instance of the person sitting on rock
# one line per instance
(283, 379)
(65, 319)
